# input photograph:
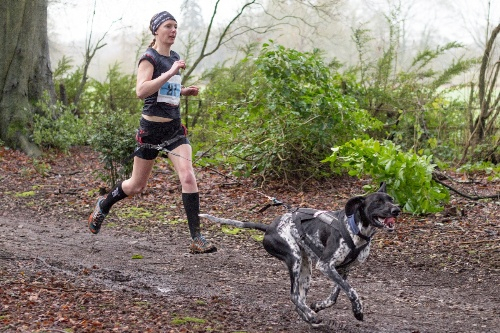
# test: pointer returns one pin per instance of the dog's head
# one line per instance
(377, 209)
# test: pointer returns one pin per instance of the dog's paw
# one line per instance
(316, 323)
(358, 316)
(357, 309)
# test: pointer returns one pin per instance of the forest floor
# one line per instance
(434, 273)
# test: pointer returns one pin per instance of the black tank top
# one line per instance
(165, 102)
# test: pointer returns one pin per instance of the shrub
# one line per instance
(113, 112)
(113, 137)
(408, 176)
(294, 112)
(55, 126)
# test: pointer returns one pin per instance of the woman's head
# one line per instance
(158, 19)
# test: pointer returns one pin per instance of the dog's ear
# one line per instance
(353, 204)
(382, 187)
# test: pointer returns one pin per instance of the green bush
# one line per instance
(294, 112)
(217, 127)
(113, 113)
(55, 126)
(67, 80)
(408, 176)
(492, 171)
(113, 137)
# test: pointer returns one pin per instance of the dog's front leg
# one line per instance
(329, 270)
(330, 300)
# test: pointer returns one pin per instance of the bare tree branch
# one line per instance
(436, 175)
(231, 30)
(204, 53)
(90, 51)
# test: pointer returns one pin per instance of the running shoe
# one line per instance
(97, 217)
(201, 245)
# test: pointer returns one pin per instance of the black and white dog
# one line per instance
(335, 240)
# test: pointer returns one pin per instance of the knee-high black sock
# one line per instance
(113, 197)
(191, 203)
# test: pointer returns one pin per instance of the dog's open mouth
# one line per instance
(387, 222)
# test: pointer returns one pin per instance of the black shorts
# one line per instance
(155, 133)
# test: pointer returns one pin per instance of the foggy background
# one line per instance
(421, 22)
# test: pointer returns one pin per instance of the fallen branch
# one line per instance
(70, 173)
(435, 177)
(230, 184)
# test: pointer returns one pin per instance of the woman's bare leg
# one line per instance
(181, 159)
(140, 175)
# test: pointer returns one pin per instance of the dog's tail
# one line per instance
(239, 224)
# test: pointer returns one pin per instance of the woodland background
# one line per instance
(311, 102)
(274, 104)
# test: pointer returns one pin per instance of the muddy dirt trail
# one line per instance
(397, 297)
(435, 273)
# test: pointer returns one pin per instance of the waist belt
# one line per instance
(160, 147)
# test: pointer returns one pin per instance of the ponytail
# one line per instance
(152, 42)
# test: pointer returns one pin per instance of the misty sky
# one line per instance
(69, 22)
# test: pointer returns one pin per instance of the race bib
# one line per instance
(170, 92)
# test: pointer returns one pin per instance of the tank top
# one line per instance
(165, 102)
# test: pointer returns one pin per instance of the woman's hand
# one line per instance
(179, 64)
(190, 91)
(176, 66)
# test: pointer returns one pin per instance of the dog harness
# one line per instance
(336, 221)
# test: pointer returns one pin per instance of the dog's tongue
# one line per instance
(389, 221)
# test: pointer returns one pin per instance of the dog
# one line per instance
(335, 240)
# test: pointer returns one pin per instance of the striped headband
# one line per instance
(158, 19)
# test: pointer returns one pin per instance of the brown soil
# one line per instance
(435, 273)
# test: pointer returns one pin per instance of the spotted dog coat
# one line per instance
(336, 241)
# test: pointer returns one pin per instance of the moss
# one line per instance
(25, 194)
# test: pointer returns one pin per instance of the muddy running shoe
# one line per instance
(201, 245)
(97, 217)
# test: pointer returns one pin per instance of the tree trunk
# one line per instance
(485, 92)
(25, 71)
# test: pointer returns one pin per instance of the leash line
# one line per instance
(274, 201)
(162, 147)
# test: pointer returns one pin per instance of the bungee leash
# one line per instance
(162, 147)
